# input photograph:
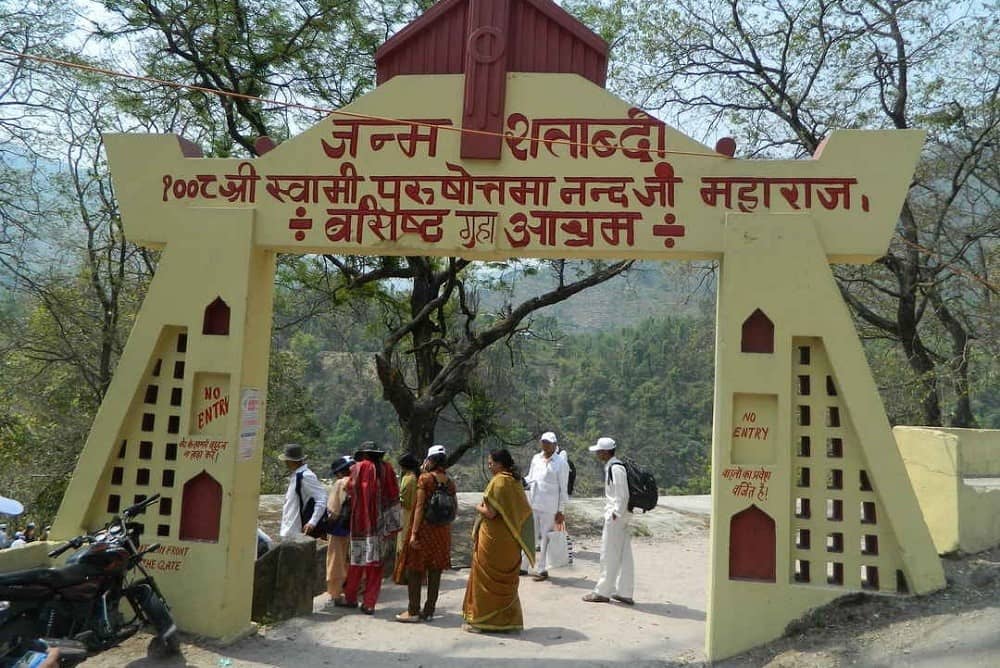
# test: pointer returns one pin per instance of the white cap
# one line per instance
(548, 437)
(436, 450)
(603, 443)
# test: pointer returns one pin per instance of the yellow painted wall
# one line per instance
(32, 555)
(945, 465)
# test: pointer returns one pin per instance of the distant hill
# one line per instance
(650, 289)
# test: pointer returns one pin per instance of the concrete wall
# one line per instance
(32, 555)
(956, 477)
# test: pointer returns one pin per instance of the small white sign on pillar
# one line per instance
(249, 421)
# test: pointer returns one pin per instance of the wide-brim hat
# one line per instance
(10, 506)
(369, 448)
(341, 464)
(293, 453)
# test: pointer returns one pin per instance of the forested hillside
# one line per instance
(642, 374)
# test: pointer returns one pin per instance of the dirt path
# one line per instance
(667, 623)
(955, 628)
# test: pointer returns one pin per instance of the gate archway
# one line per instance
(509, 146)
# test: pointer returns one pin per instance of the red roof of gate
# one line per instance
(542, 37)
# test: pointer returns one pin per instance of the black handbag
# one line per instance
(324, 526)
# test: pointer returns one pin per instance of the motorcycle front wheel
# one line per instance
(166, 642)
(162, 648)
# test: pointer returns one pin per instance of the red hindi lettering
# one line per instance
(479, 227)
(241, 186)
(659, 190)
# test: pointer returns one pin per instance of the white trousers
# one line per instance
(544, 523)
(617, 569)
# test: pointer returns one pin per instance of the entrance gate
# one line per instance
(490, 136)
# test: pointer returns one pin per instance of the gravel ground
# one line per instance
(955, 627)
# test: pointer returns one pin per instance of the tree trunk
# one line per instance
(922, 364)
(959, 363)
(418, 433)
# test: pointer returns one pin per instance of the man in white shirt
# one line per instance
(617, 579)
(303, 487)
(548, 481)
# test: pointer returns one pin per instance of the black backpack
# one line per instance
(341, 523)
(572, 477)
(442, 506)
(642, 491)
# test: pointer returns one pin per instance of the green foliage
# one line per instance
(291, 415)
(649, 387)
(346, 435)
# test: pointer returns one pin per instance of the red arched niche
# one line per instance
(758, 334)
(216, 318)
(752, 546)
(201, 508)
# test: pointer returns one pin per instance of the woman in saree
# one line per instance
(410, 467)
(503, 530)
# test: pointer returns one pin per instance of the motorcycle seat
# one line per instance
(54, 578)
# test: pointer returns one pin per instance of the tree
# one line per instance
(784, 73)
(435, 335)
(317, 51)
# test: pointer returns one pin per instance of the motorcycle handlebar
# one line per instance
(129, 512)
(73, 543)
(59, 550)
(140, 507)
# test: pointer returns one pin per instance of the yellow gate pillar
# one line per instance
(810, 498)
(184, 417)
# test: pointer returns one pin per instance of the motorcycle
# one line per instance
(81, 601)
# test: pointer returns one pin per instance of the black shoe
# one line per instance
(544, 575)
(522, 572)
(368, 611)
(341, 602)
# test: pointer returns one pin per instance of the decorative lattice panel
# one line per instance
(840, 537)
(147, 453)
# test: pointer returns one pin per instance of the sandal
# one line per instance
(407, 618)
(624, 599)
(468, 628)
(596, 598)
